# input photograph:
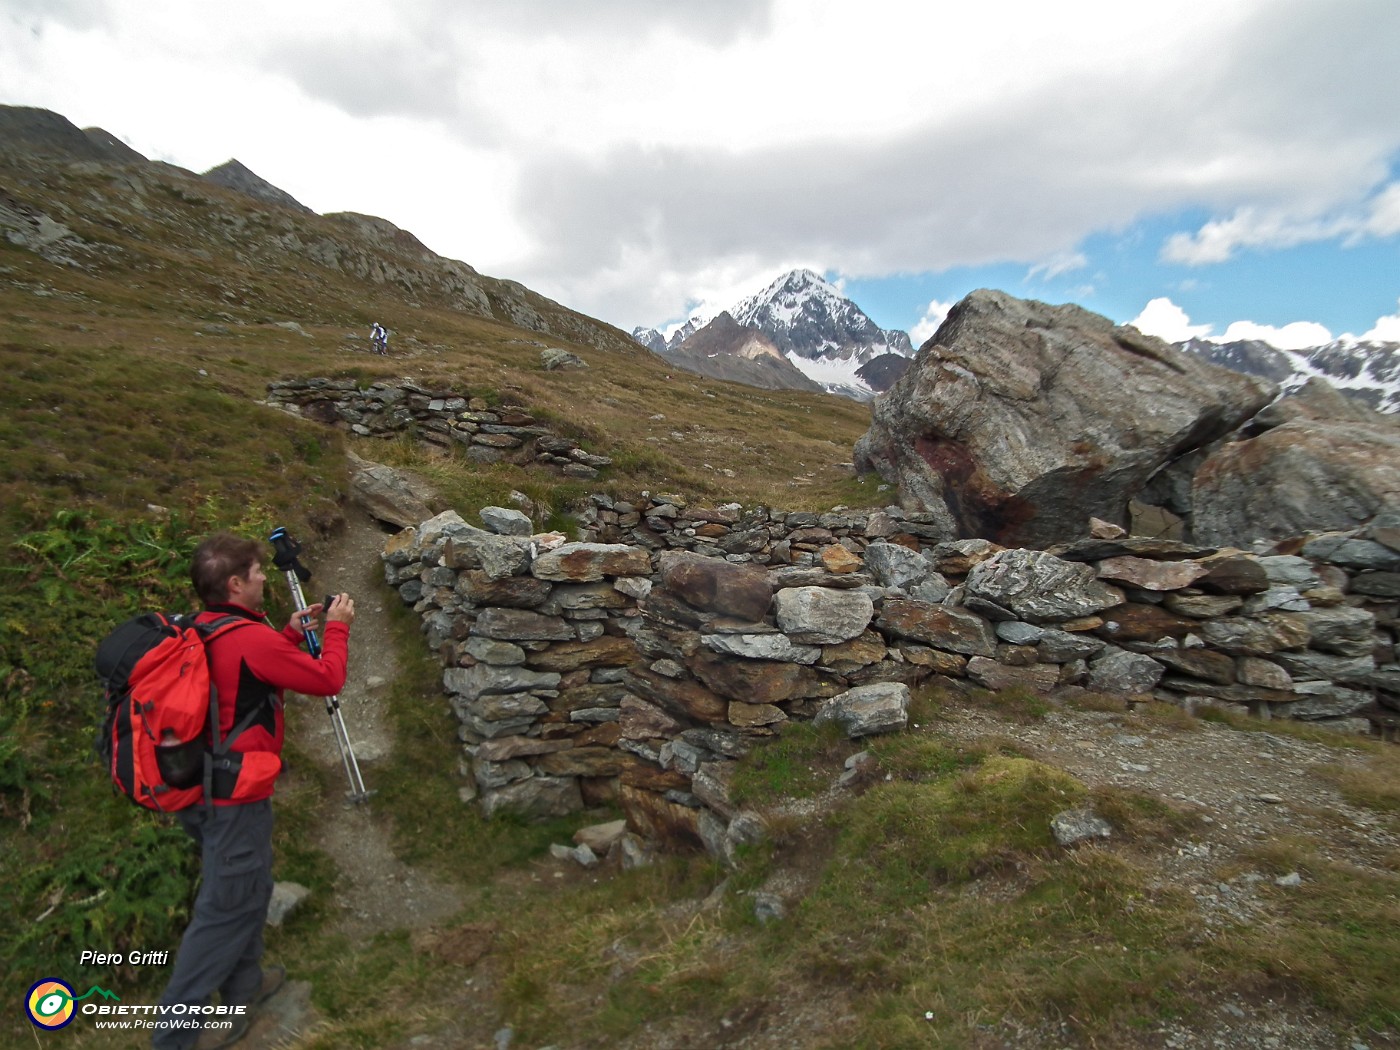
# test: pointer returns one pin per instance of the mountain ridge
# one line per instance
(1366, 371)
(234, 175)
(725, 349)
(822, 332)
(826, 337)
(367, 247)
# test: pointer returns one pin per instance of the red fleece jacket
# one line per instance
(252, 666)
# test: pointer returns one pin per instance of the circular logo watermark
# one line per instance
(50, 1003)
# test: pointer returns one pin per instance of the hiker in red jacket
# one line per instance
(251, 667)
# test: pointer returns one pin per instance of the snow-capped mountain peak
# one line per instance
(808, 317)
(787, 297)
(825, 336)
(650, 338)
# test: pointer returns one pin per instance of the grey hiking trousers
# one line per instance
(223, 945)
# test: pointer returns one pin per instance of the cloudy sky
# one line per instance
(1195, 166)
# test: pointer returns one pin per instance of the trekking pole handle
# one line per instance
(285, 554)
(285, 557)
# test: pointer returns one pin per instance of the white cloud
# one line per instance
(630, 158)
(1384, 217)
(1386, 330)
(934, 315)
(1220, 240)
(1299, 335)
(1060, 264)
(1164, 319)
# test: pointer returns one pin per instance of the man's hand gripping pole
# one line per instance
(285, 558)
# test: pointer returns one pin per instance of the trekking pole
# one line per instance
(296, 573)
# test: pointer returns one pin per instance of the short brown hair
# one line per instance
(219, 557)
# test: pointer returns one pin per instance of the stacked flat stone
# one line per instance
(760, 535)
(596, 671)
(435, 417)
(533, 650)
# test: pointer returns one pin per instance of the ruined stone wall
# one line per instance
(637, 671)
(436, 417)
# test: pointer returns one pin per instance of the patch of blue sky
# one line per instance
(1343, 286)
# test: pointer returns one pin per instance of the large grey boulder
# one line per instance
(388, 494)
(1306, 476)
(1018, 421)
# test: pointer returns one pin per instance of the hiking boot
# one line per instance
(273, 977)
(218, 1038)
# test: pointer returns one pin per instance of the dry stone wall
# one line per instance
(436, 417)
(638, 672)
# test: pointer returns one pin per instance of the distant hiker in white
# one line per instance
(379, 337)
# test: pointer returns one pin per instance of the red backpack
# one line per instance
(160, 734)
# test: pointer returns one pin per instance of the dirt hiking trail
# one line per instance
(375, 891)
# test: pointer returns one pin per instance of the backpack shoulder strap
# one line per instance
(211, 630)
(218, 757)
(207, 633)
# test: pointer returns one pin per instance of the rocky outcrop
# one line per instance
(586, 672)
(233, 175)
(1307, 475)
(26, 227)
(881, 373)
(1018, 421)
